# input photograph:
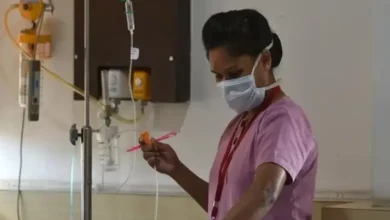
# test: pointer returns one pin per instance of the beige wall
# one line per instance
(310, 67)
(49, 206)
(345, 141)
(363, 210)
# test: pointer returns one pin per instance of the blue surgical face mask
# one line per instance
(242, 94)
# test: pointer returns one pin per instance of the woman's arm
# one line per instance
(261, 195)
(192, 184)
(280, 153)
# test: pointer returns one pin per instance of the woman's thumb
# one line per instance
(159, 146)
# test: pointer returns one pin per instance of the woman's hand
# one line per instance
(161, 156)
(165, 159)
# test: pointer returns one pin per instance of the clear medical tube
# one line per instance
(71, 190)
(23, 77)
(130, 16)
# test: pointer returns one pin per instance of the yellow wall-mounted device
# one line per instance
(34, 47)
(42, 42)
(31, 9)
(31, 39)
(141, 85)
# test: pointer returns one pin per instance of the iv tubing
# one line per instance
(135, 137)
(71, 200)
(157, 194)
(56, 76)
(131, 27)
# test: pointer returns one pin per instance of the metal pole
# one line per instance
(86, 61)
(86, 152)
(86, 191)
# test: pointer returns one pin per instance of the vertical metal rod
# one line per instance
(86, 61)
(86, 193)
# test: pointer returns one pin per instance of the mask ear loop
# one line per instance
(259, 57)
(278, 81)
(273, 85)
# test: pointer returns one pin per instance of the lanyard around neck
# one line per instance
(228, 156)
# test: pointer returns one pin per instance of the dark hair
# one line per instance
(241, 32)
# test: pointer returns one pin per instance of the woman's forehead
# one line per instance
(220, 59)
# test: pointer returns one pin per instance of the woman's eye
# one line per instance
(234, 75)
(218, 77)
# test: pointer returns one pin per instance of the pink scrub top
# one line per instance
(281, 134)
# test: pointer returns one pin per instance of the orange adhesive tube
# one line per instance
(145, 137)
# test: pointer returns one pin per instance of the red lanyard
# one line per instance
(227, 158)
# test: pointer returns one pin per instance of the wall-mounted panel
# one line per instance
(162, 36)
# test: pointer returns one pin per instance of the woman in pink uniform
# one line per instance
(266, 163)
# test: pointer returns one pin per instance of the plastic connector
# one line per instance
(145, 138)
(130, 16)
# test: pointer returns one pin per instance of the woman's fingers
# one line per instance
(151, 154)
(153, 161)
(154, 148)
(155, 144)
(147, 148)
(158, 146)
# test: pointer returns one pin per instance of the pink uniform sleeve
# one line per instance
(279, 141)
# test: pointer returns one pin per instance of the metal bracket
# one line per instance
(49, 7)
(74, 134)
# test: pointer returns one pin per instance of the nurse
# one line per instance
(266, 162)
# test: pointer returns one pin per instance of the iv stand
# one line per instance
(86, 151)
(86, 131)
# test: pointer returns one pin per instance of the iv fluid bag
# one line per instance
(108, 142)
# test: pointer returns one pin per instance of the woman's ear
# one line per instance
(266, 61)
